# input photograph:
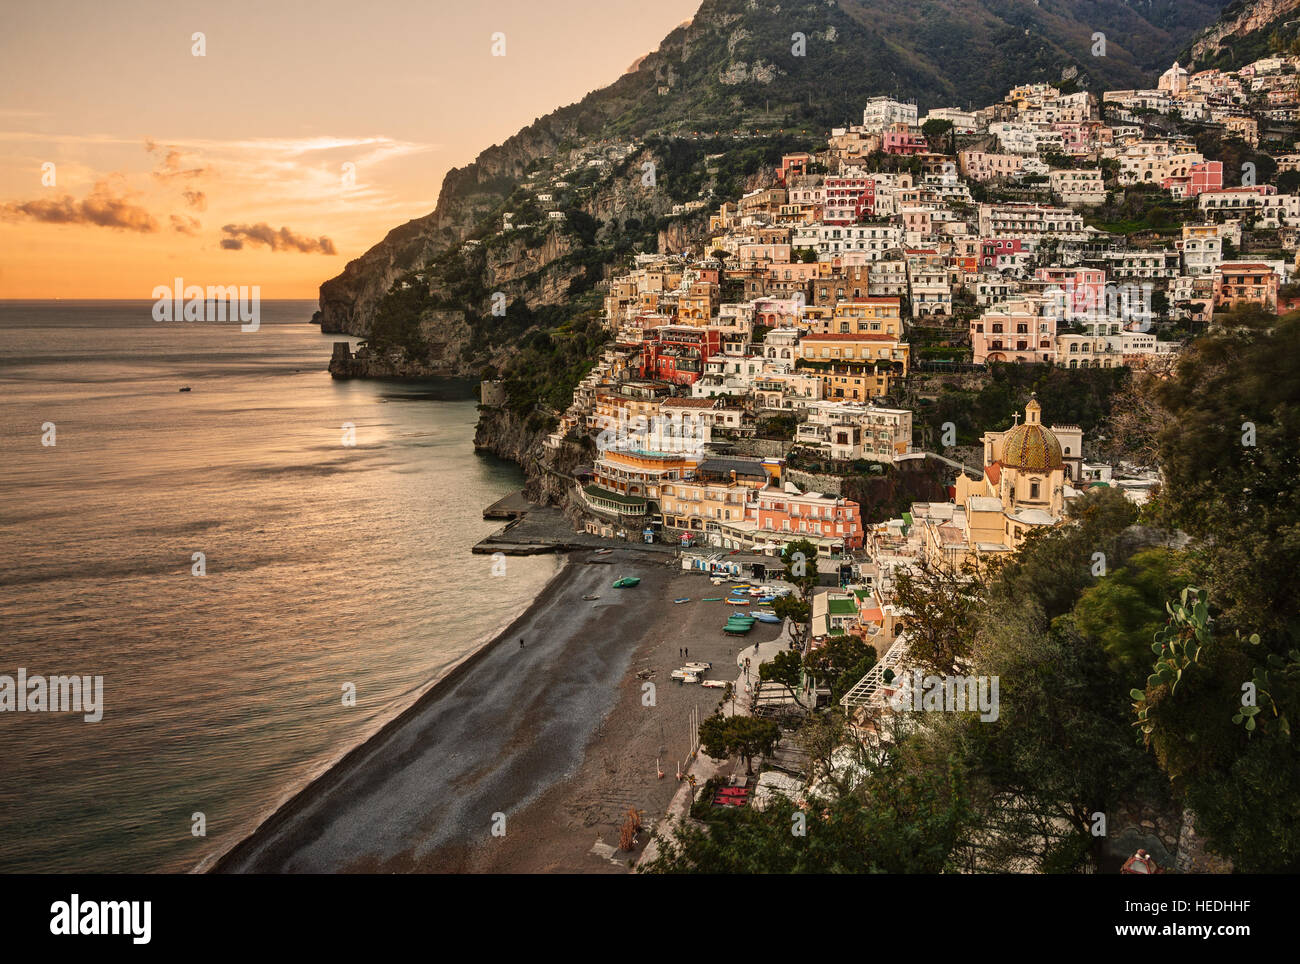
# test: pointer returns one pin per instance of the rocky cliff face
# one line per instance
(468, 195)
(1239, 19)
(522, 440)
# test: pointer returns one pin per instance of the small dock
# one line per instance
(508, 509)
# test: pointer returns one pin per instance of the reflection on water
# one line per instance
(327, 565)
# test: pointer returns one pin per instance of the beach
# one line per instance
(525, 758)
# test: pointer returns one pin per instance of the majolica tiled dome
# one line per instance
(1030, 446)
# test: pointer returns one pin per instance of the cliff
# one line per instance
(1240, 34)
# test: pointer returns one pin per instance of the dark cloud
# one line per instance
(281, 240)
(101, 208)
(196, 199)
(185, 224)
(232, 245)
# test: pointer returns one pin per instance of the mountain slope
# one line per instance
(1245, 31)
(733, 67)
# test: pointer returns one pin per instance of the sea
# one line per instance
(262, 571)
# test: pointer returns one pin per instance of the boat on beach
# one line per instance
(627, 582)
(737, 602)
(682, 599)
(766, 617)
(589, 598)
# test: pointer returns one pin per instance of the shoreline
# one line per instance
(213, 863)
(551, 744)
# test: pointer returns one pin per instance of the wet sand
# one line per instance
(551, 743)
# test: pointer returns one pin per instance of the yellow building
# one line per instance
(1023, 487)
(853, 367)
(718, 492)
(868, 316)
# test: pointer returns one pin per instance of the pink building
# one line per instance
(1012, 333)
(1083, 290)
(1201, 177)
(981, 166)
(903, 139)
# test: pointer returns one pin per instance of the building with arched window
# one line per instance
(1026, 481)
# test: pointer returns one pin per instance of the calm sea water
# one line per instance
(327, 566)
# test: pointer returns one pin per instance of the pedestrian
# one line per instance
(521, 642)
(687, 651)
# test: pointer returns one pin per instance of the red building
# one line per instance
(785, 514)
(792, 165)
(848, 199)
(676, 353)
(992, 250)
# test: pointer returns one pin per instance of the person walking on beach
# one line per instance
(521, 642)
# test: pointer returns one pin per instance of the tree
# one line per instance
(800, 558)
(1229, 457)
(1216, 711)
(1054, 565)
(743, 736)
(903, 811)
(834, 661)
(937, 609)
(821, 736)
(1123, 612)
(792, 608)
(787, 668)
(853, 675)
(1059, 750)
(935, 130)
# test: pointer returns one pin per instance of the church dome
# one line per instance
(1031, 447)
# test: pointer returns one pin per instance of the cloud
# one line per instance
(196, 199)
(174, 162)
(185, 224)
(282, 240)
(101, 208)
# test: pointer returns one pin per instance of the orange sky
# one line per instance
(160, 156)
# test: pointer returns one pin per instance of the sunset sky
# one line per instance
(229, 168)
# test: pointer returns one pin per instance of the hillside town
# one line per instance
(785, 349)
(804, 302)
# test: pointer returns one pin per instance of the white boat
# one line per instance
(700, 665)
(714, 684)
(685, 675)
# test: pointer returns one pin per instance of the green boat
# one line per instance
(627, 582)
